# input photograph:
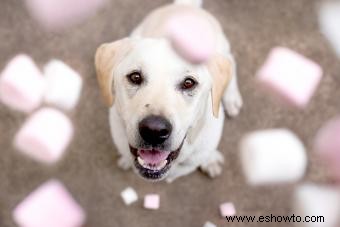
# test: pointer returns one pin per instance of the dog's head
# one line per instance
(159, 97)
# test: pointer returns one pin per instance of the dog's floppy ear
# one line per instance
(107, 57)
(220, 70)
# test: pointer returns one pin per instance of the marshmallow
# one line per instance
(327, 145)
(129, 196)
(316, 201)
(21, 84)
(227, 209)
(272, 156)
(151, 201)
(45, 135)
(56, 15)
(50, 205)
(192, 37)
(329, 20)
(290, 76)
(63, 85)
(209, 224)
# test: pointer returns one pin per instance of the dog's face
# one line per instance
(159, 97)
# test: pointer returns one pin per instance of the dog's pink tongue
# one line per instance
(153, 157)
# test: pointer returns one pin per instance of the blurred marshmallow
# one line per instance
(63, 85)
(329, 20)
(317, 202)
(192, 37)
(272, 156)
(327, 145)
(22, 84)
(45, 135)
(209, 224)
(50, 205)
(129, 195)
(227, 209)
(56, 15)
(151, 201)
(290, 76)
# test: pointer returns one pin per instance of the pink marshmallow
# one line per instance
(45, 135)
(192, 37)
(327, 145)
(290, 76)
(227, 209)
(151, 201)
(22, 84)
(60, 14)
(50, 205)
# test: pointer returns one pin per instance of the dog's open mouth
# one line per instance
(153, 163)
(152, 159)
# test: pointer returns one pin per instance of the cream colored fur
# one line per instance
(192, 117)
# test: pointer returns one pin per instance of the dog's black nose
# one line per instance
(155, 129)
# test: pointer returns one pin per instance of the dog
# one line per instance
(165, 114)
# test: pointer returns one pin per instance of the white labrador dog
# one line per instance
(164, 112)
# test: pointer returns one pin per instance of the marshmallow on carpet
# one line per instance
(227, 209)
(192, 37)
(151, 201)
(316, 201)
(22, 84)
(45, 135)
(327, 145)
(290, 76)
(56, 15)
(329, 20)
(209, 224)
(272, 156)
(63, 85)
(49, 205)
(129, 195)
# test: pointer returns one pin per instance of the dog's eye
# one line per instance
(135, 78)
(188, 83)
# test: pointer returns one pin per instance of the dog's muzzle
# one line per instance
(151, 159)
(153, 164)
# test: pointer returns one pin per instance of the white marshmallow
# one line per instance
(22, 84)
(45, 135)
(129, 196)
(49, 205)
(209, 224)
(272, 156)
(329, 20)
(312, 200)
(63, 85)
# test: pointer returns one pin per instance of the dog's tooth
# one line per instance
(151, 166)
(164, 163)
(140, 161)
(161, 166)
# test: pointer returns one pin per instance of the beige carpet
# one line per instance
(89, 169)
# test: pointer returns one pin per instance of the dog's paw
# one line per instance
(213, 167)
(232, 102)
(125, 162)
(171, 177)
(169, 180)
